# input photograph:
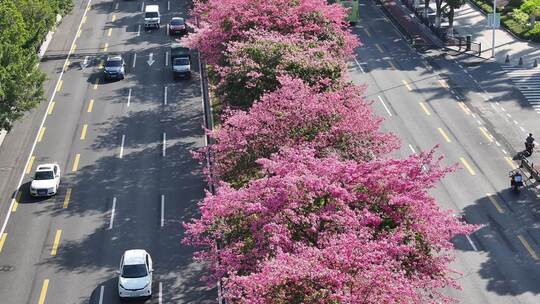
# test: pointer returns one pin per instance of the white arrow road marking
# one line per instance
(150, 59)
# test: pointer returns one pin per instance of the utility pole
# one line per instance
(493, 26)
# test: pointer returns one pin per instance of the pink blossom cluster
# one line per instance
(222, 21)
(253, 66)
(297, 115)
(323, 230)
(309, 208)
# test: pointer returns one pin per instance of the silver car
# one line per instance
(135, 274)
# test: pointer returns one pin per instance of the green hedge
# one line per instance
(507, 20)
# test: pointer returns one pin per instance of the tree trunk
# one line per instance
(451, 23)
(426, 8)
(532, 20)
(438, 13)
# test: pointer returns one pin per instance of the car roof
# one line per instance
(45, 167)
(152, 8)
(114, 58)
(177, 18)
(134, 256)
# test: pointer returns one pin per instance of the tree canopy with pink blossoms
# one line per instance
(252, 67)
(296, 114)
(323, 230)
(222, 21)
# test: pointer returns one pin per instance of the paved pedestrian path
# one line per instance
(527, 81)
(470, 20)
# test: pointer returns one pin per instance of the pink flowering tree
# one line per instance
(324, 230)
(222, 21)
(252, 67)
(296, 114)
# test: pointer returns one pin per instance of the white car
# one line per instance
(135, 274)
(46, 180)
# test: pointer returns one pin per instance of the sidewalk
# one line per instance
(469, 20)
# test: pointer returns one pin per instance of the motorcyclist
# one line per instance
(516, 179)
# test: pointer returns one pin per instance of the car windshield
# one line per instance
(44, 175)
(177, 22)
(181, 61)
(134, 271)
(151, 15)
(113, 63)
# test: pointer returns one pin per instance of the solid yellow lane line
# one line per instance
(443, 83)
(392, 65)
(79, 33)
(84, 19)
(113, 18)
(466, 164)
(367, 32)
(73, 48)
(379, 48)
(56, 242)
(43, 293)
(109, 32)
(76, 162)
(51, 107)
(528, 247)
(2, 241)
(30, 163)
(59, 87)
(16, 202)
(83, 132)
(407, 85)
(90, 106)
(495, 202)
(100, 65)
(423, 106)
(96, 84)
(66, 199)
(444, 135)
(105, 47)
(464, 108)
(40, 134)
(66, 65)
(486, 134)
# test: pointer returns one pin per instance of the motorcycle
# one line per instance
(516, 180)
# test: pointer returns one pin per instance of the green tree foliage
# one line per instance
(23, 27)
(21, 83)
(531, 7)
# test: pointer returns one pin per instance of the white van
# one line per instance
(151, 16)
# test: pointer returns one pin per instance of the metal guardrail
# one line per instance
(529, 167)
(209, 124)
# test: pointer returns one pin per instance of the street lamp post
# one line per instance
(493, 29)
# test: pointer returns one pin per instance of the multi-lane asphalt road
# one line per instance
(470, 109)
(128, 181)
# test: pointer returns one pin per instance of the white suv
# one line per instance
(46, 180)
(135, 274)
